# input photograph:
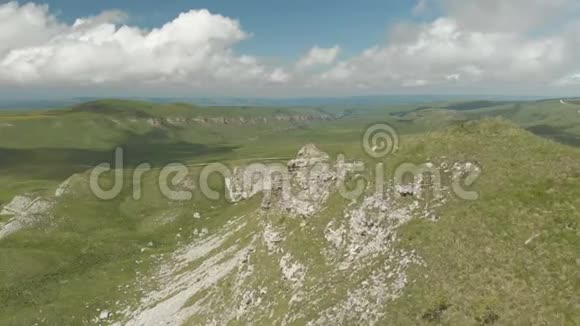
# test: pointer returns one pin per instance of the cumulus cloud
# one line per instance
(570, 80)
(195, 48)
(457, 50)
(27, 25)
(474, 44)
(319, 56)
(441, 49)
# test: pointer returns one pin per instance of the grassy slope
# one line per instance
(478, 264)
(49, 146)
(548, 118)
(479, 268)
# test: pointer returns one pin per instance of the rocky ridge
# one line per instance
(301, 188)
(180, 122)
(348, 272)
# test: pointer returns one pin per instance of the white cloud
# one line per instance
(195, 48)
(454, 50)
(279, 75)
(25, 25)
(415, 83)
(106, 17)
(475, 44)
(319, 56)
(570, 80)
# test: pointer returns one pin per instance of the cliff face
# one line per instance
(233, 120)
(183, 115)
(262, 120)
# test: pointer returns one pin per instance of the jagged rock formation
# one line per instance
(260, 271)
(340, 267)
(301, 188)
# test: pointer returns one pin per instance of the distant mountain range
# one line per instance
(365, 101)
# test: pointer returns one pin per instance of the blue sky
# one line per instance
(280, 28)
(288, 48)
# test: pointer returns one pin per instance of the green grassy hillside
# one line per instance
(508, 258)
